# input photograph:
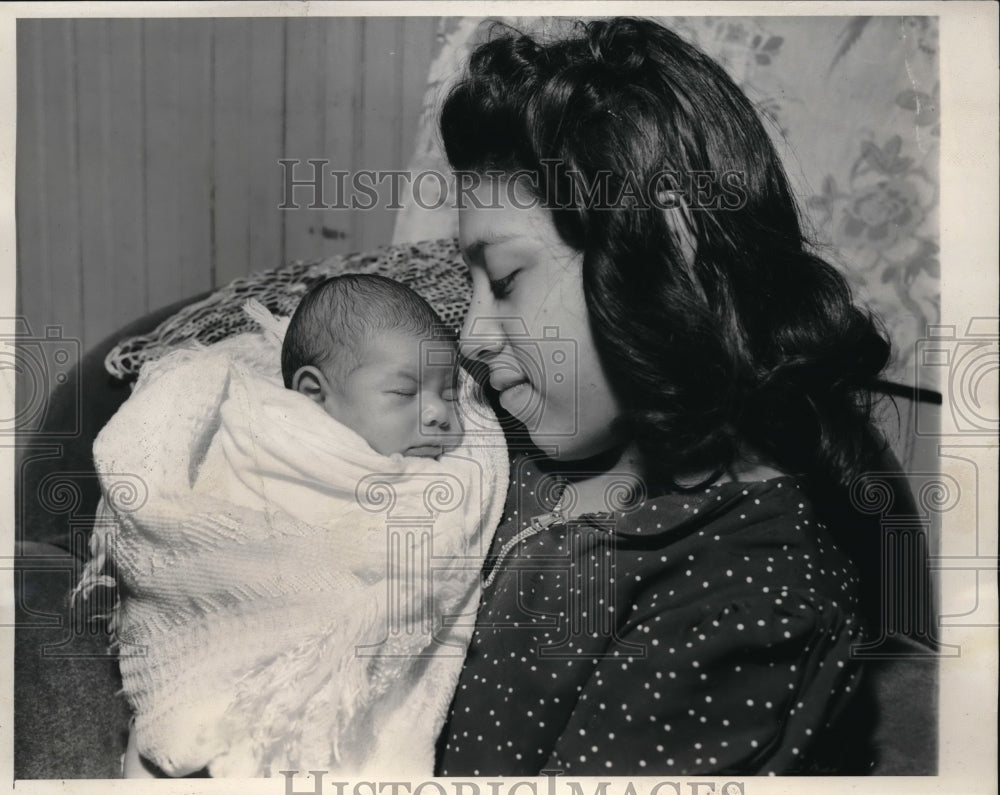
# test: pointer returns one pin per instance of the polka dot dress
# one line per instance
(701, 633)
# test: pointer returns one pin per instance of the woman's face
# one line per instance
(528, 322)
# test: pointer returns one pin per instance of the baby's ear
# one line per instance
(310, 381)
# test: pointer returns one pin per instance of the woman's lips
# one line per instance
(502, 384)
(515, 397)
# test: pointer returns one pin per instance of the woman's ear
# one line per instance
(311, 382)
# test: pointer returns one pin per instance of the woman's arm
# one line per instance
(754, 687)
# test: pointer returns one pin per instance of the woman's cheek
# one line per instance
(561, 402)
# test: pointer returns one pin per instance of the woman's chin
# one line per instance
(555, 427)
(571, 447)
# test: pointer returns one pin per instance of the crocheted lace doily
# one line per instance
(434, 269)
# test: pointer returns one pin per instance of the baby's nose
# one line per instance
(437, 413)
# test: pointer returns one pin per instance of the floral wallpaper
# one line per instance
(852, 104)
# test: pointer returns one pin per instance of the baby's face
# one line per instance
(402, 397)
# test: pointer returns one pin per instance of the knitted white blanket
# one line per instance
(289, 599)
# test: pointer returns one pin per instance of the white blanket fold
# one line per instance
(287, 595)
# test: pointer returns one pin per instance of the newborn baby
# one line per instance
(290, 581)
(374, 357)
(377, 358)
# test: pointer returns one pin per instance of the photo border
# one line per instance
(968, 227)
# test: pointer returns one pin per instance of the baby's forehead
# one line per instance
(419, 356)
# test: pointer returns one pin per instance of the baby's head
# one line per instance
(378, 359)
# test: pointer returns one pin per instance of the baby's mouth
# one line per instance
(425, 450)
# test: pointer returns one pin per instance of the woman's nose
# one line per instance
(482, 335)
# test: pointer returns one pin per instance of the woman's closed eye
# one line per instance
(501, 287)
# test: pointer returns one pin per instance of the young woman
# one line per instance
(667, 593)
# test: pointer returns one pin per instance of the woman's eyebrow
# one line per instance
(474, 249)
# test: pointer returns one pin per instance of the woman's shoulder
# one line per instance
(778, 508)
(743, 542)
(739, 540)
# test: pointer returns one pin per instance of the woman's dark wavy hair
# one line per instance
(745, 342)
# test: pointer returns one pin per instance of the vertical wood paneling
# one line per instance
(147, 152)
(265, 137)
(93, 106)
(341, 65)
(248, 80)
(380, 117)
(194, 169)
(231, 120)
(305, 92)
(125, 167)
(421, 41)
(178, 151)
(33, 284)
(420, 34)
(62, 179)
(51, 241)
(163, 142)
